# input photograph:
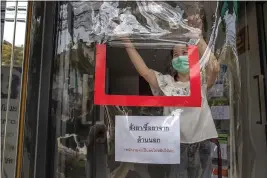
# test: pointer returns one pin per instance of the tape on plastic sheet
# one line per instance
(101, 98)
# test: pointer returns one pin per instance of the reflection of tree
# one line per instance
(73, 104)
(82, 60)
(6, 54)
(73, 65)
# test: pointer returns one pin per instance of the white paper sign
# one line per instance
(147, 139)
(220, 112)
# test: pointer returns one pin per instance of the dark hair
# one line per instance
(169, 69)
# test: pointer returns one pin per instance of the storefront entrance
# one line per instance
(62, 133)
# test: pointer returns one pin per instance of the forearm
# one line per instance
(140, 65)
(213, 66)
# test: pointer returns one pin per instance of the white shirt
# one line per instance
(196, 123)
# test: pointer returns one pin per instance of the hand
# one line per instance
(195, 21)
(126, 41)
(124, 38)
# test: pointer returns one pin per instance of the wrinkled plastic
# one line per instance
(86, 132)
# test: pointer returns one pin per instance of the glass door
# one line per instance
(74, 137)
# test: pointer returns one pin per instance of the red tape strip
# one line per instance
(101, 98)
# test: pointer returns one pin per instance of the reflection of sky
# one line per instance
(9, 25)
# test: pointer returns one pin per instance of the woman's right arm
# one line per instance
(147, 73)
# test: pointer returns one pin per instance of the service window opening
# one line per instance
(122, 77)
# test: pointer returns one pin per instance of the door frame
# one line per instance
(37, 127)
(262, 50)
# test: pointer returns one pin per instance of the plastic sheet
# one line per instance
(141, 41)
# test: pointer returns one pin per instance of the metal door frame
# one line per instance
(36, 128)
(262, 50)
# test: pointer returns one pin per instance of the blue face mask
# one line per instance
(181, 64)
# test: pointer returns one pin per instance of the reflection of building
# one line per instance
(3, 10)
(13, 12)
(8, 13)
(21, 10)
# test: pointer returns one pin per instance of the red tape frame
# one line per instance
(101, 98)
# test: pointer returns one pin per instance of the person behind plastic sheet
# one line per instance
(197, 125)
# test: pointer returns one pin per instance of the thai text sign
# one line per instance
(148, 139)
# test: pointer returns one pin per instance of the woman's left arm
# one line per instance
(213, 67)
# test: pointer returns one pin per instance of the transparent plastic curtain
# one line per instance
(85, 132)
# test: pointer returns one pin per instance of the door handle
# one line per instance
(260, 81)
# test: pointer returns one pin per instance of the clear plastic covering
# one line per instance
(171, 67)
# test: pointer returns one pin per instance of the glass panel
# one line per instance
(72, 108)
(11, 73)
(86, 133)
